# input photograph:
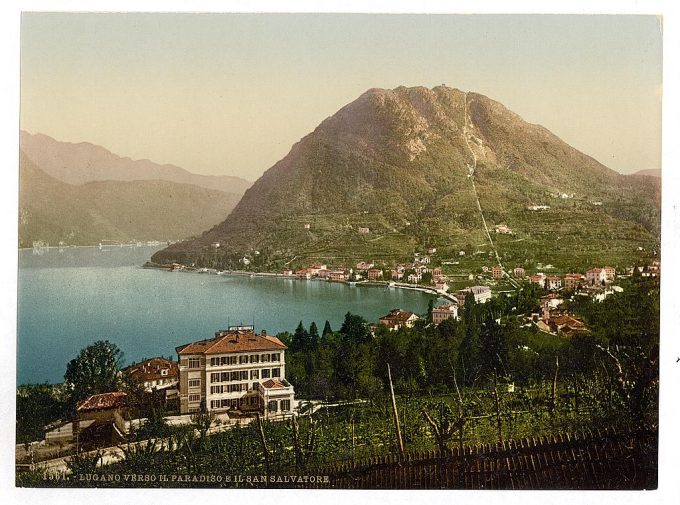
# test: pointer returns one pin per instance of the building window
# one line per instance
(164, 372)
(214, 361)
(194, 383)
(276, 372)
(195, 398)
(215, 404)
(214, 377)
(244, 375)
(255, 384)
(255, 358)
(225, 403)
(271, 406)
(194, 363)
(285, 405)
(216, 390)
(224, 377)
(243, 359)
(276, 357)
(235, 376)
(265, 373)
(254, 374)
(265, 358)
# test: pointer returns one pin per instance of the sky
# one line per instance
(231, 93)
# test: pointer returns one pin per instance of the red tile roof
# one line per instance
(103, 401)
(575, 276)
(233, 341)
(273, 384)
(151, 369)
(567, 320)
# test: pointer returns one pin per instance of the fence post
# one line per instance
(395, 412)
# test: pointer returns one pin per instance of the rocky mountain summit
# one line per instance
(402, 163)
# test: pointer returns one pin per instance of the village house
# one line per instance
(154, 373)
(307, 226)
(566, 325)
(436, 272)
(609, 273)
(339, 275)
(363, 265)
(236, 370)
(431, 250)
(398, 318)
(324, 273)
(538, 278)
(497, 272)
(101, 420)
(551, 300)
(363, 230)
(397, 275)
(503, 229)
(482, 294)
(553, 282)
(443, 312)
(316, 268)
(374, 274)
(573, 281)
(421, 269)
(538, 207)
(519, 273)
(441, 285)
(215, 245)
(303, 273)
(414, 278)
(595, 276)
(287, 273)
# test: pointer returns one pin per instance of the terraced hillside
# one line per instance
(415, 166)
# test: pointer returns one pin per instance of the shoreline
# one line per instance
(273, 275)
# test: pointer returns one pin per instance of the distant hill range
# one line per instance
(84, 162)
(651, 172)
(388, 175)
(87, 194)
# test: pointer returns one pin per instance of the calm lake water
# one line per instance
(69, 299)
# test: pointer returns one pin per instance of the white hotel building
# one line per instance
(235, 370)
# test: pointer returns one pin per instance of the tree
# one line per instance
(37, 406)
(300, 339)
(354, 329)
(430, 308)
(95, 370)
(327, 331)
(313, 337)
(493, 346)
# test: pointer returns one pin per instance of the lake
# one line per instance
(71, 298)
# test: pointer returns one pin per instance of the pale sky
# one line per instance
(230, 93)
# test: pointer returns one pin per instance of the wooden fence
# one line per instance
(587, 460)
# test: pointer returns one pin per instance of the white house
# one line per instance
(236, 370)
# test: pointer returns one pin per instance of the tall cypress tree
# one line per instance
(327, 331)
(313, 337)
(300, 339)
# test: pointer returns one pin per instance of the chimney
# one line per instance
(263, 333)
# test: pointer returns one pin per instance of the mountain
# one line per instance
(84, 162)
(650, 172)
(52, 210)
(398, 163)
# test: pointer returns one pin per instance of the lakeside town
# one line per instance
(239, 375)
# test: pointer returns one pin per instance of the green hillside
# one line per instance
(398, 162)
(53, 211)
